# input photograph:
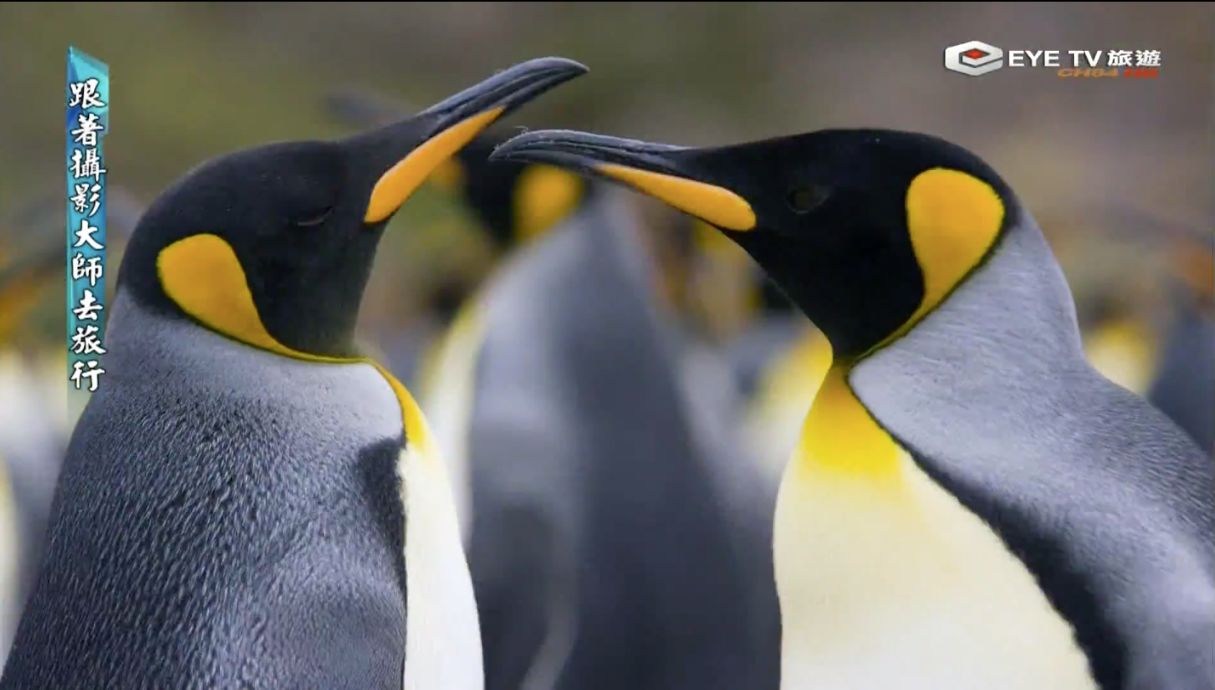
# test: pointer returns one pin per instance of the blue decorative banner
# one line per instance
(88, 119)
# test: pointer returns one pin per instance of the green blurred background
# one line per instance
(1115, 170)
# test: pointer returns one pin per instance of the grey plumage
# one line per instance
(1104, 498)
(202, 532)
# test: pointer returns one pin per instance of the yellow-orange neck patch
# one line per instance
(840, 436)
(402, 179)
(203, 276)
(717, 205)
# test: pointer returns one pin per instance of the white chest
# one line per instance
(442, 634)
(894, 584)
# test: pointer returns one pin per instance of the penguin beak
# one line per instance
(669, 173)
(448, 126)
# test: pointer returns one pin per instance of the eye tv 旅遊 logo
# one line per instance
(976, 58)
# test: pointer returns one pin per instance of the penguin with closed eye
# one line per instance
(246, 501)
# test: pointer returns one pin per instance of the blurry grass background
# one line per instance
(1108, 166)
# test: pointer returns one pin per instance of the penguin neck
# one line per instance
(135, 352)
(839, 435)
(1006, 335)
(1012, 323)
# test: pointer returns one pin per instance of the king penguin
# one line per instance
(604, 544)
(245, 501)
(970, 504)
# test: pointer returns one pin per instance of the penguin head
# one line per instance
(273, 246)
(513, 202)
(865, 231)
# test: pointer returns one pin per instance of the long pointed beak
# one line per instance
(668, 173)
(447, 126)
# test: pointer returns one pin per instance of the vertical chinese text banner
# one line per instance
(88, 98)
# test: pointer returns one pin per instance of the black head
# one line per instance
(772, 300)
(273, 246)
(513, 202)
(865, 230)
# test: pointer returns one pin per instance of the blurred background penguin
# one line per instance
(1158, 339)
(1183, 381)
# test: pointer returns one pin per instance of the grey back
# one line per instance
(225, 518)
(1107, 502)
(603, 551)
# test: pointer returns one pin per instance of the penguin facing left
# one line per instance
(246, 502)
(970, 504)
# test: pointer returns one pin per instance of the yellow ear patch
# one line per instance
(953, 219)
(717, 205)
(544, 195)
(203, 276)
(403, 179)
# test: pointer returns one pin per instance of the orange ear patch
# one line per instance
(953, 219)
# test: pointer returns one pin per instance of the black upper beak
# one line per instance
(587, 152)
(506, 90)
(674, 174)
(403, 154)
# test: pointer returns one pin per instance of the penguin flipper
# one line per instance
(1185, 658)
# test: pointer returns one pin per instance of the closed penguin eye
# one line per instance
(806, 198)
(314, 219)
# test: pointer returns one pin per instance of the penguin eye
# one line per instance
(314, 219)
(806, 198)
